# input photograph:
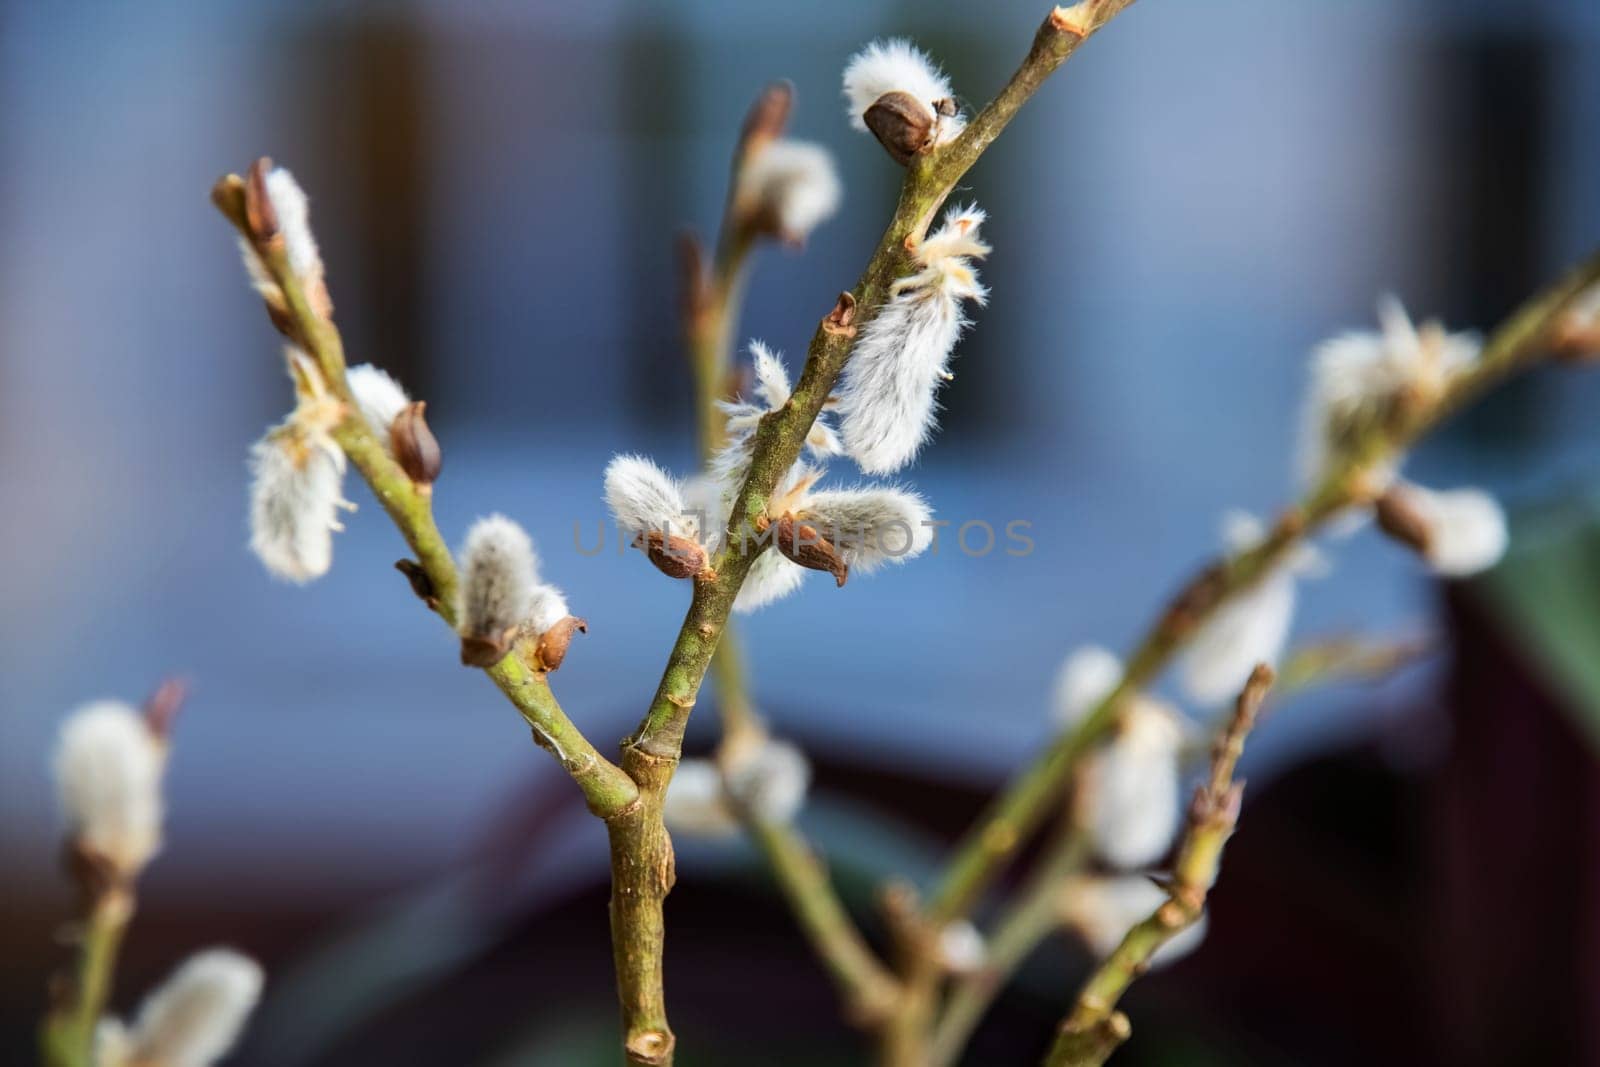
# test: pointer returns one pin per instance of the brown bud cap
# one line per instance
(486, 650)
(228, 196)
(765, 121)
(552, 646)
(421, 584)
(1399, 518)
(843, 316)
(694, 274)
(93, 875)
(674, 556)
(902, 124)
(414, 446)
(260, 216)
(801, 543)
(163, 706)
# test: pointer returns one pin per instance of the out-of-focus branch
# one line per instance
(1521, 341)
(1094, 1028)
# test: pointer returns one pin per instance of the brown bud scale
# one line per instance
(802, 543)
(414, 446)
(902, 124)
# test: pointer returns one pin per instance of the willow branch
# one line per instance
(1520, 342)
(655, 746)
(1094, 1028)
(68, 1033)
(1033, 915)
(605, 786)
(870, 991)
(711, 316)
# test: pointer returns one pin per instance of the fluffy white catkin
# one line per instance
(1467, 529)
(108, 768)
(196, 1016)
(896, 65)
(886, 393)
(694, 804)
(644, 498)
(1102, 910)
(293, 209)
(379, 397)
(1251, 628)
(771, 781)
(1134, 809)
(546, 607)
(771, 577)
(1355, 374)
(500, 573)
(871, 526)
(793, 185)
(1087, 677)
(295, 496)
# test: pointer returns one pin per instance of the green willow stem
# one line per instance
(1518, 343)
(778, 439)
(1034, 915)
(605, 786)
(1094, 1028)
(68, 1038)
(711, 318)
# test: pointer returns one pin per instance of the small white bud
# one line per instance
(1088, 676)
(294, 222)
(1103, 910)
(379, 397)
(643, 497)
(1133, 786)
(893, 90)
(789, 187)
(1251, 628)
(108, 769)
(295, 497)
(886, 393)
(695, 805)
(870, 526)
(770, 780)
(962, 948)
(196, 1016)
(500, 573)
(1466, 529)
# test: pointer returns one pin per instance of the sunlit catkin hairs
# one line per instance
(499, 575)
(886, 393)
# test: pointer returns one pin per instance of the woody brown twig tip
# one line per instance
(161, 709)
(260, 216)
(228, 196)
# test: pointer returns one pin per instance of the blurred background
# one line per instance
(1201, 195)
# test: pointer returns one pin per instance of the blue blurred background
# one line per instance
(1201, 195)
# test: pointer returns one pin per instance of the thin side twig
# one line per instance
(1094, 1028)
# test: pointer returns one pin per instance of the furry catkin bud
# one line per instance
(379, 397)
(500, 573)
(1132, 786)
(870, 526)
(962, 948)
(887, 391)
(196, 1016)
(786, 188)
(894, 90)
(1460, 531)
(108, 769)
(770, 780)
(414, 446)
(695, 805)
(771, 577)
(1358, 379)
(1251, 628)
(643, 497)
(1089, 675)
(295, 496)
(902, 124)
